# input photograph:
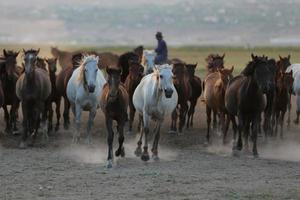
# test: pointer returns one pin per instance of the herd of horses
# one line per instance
(258, 97)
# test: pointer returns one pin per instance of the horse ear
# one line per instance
(280, 57)
(223, 56)
(195, 65)
(38, 51)
(97, 58)
(289, 56)
(252, 56)
(4, 53)
(231, 70)
(17, 53)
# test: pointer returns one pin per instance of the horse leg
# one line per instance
(138, 151)
(78, 111)
(131, 117)
(140, 123)
(239, 145)
(110, 139)
(182, 115)
(192, 111)
(277, 115)
(246, 135)
(23, 144)
(50, 117)
(281, 123)
(90, 123)
(296, 121)
(145, 154)
(6, 116)
(225, 127)
(214, 120)
(174, 117)
(289, 106)
(120, 151)
(208, 120)
(254, 127)
(155, 143)
(57, 110)
(66, 113)
(43, 110)
(14, 112)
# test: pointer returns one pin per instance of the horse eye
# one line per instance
(160, 76)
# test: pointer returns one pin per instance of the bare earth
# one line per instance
(187, 169)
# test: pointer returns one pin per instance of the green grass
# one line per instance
(235, 56)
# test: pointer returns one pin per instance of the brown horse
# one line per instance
(1, 95)
(61, 86)
(214, 96)
(282, 65)
(183, 88)
(214, 62)
(54, 97)
(65, 58)
(114, 103)
(244, 98)
(40, 63)
(33, 88)
(9, 76)
(196, 88)
(284, 81)
(133, 79)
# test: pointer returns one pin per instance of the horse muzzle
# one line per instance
(91, 88)
(168, 93)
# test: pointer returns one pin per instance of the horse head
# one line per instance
(114, 79)
(148, 60)
(190, 69)
(10, 62)
(215, 62)
(30, 60)
(164, 76)
(89, 71)
(226, 75)
(136, 70)
(52, 64)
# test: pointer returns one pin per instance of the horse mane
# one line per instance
(249, 69)
(86, 59)
(32, 51)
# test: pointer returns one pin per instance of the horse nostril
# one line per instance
(168, 93)
(91, 88)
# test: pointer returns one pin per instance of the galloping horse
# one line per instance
(132, 81)
(196, 87)
(65, 58)
(114, 103)
(9, 76)
(295, 69)
(33, 88)
(284, 82)
(214, 92)
(282, 64)
(83, 91)
(154, 98)
(148, 60)
(62, 80)
(54, 96)
(244, 98)
(184, 91)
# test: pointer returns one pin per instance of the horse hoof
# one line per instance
(145, 157)
(22, 145)
(109, 164)
(138, 152)
(155, 157)
(120, 152)
(235, 153)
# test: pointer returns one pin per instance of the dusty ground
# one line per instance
(187, 169)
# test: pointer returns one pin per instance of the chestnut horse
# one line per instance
(65, 58)
(284, 82)
(33, 88)
(196, 88)
(132, 81)
(61, 86)
(9, 76)
(214, 97)
(244, 98)
(184, 90)
(54, 97)
(114, 103)
(282, 64)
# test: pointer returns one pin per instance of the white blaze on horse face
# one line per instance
(90, 70)
(29, 59)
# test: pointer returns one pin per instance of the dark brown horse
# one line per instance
(114, 103)
(196, 88)
(33, 88)
(244, 98)
(65, 57)
(282, 65)
(133, 79)
(1, 95)
(54, 97)
(183, 88)
(61, 86)
(40, 63)
(284, 82)
(9, 76)
(214, 96)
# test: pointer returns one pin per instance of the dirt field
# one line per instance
(187, 169)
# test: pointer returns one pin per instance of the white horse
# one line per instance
(295, 68)
(148, 60)
(83, 91)
(154, 98)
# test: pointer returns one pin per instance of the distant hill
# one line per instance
(186, 22)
